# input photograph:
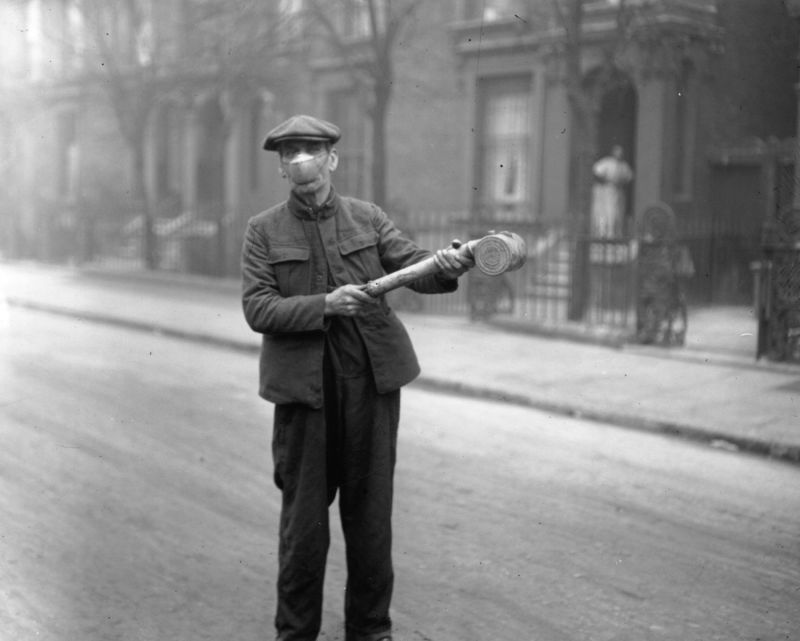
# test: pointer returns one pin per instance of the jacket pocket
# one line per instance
(360, 254)
(287, 254)
(291, 267)
(358, 242)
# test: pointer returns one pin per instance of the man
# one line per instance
(333, 360)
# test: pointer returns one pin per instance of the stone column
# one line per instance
(151, 159)
(796, 183)
(28, 215)
(236, 176)
(651, 139)
(793, 7)
(190, 152)
(555, 142)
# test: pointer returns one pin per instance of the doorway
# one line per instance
(616, 125)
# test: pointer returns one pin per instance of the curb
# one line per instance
(165, 278)
(719, 440)
(614, 339)
(622, 340)
(141, 326)
(717, 358)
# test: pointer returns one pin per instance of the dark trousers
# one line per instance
(349, 445)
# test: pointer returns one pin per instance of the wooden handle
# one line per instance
(494, 255)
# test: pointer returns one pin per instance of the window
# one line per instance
(291, 25)
(14, 32)
(144, 36)
(76, 35)
(491, 10)
(505, 137)
(290, 7)
(344, 109)
(35, 40)
(356, 23)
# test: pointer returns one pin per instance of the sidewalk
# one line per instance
(712, 390)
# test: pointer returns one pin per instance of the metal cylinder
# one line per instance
(499, 253)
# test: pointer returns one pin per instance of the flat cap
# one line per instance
(302, 127)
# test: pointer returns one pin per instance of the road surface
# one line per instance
(137, 505)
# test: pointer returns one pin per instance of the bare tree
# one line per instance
(140, 51)
(374, 71)
(122, 55)
(584, 96)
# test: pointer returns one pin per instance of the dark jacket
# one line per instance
(286, 256)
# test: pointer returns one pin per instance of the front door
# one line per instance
(738, 209)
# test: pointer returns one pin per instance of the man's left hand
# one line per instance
(452, 262)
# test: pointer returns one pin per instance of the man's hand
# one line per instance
(348, 300)
(451, 262)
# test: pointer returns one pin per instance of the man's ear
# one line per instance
(333, 159)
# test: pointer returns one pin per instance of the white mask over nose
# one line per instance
(305, 167)
(301, 157)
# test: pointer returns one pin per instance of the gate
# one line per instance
(777, 297)
(749, 188)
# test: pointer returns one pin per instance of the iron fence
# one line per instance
(777, 300)
(567, 279)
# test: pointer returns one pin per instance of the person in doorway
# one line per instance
(611, 177)
(333, 360)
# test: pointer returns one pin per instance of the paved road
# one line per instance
(138, 506)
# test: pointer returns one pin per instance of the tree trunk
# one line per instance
(584, 149)
(379, 155)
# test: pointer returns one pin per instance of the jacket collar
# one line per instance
(305, 211)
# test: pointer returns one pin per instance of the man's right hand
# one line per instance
(348, 300)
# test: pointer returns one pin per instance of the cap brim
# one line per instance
(272, 144)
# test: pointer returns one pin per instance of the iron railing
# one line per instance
(567, 279)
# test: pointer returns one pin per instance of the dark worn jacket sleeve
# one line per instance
(398, 251)
(265, 309)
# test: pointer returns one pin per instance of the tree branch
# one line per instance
(336, 39)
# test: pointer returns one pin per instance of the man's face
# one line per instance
(308, 165)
